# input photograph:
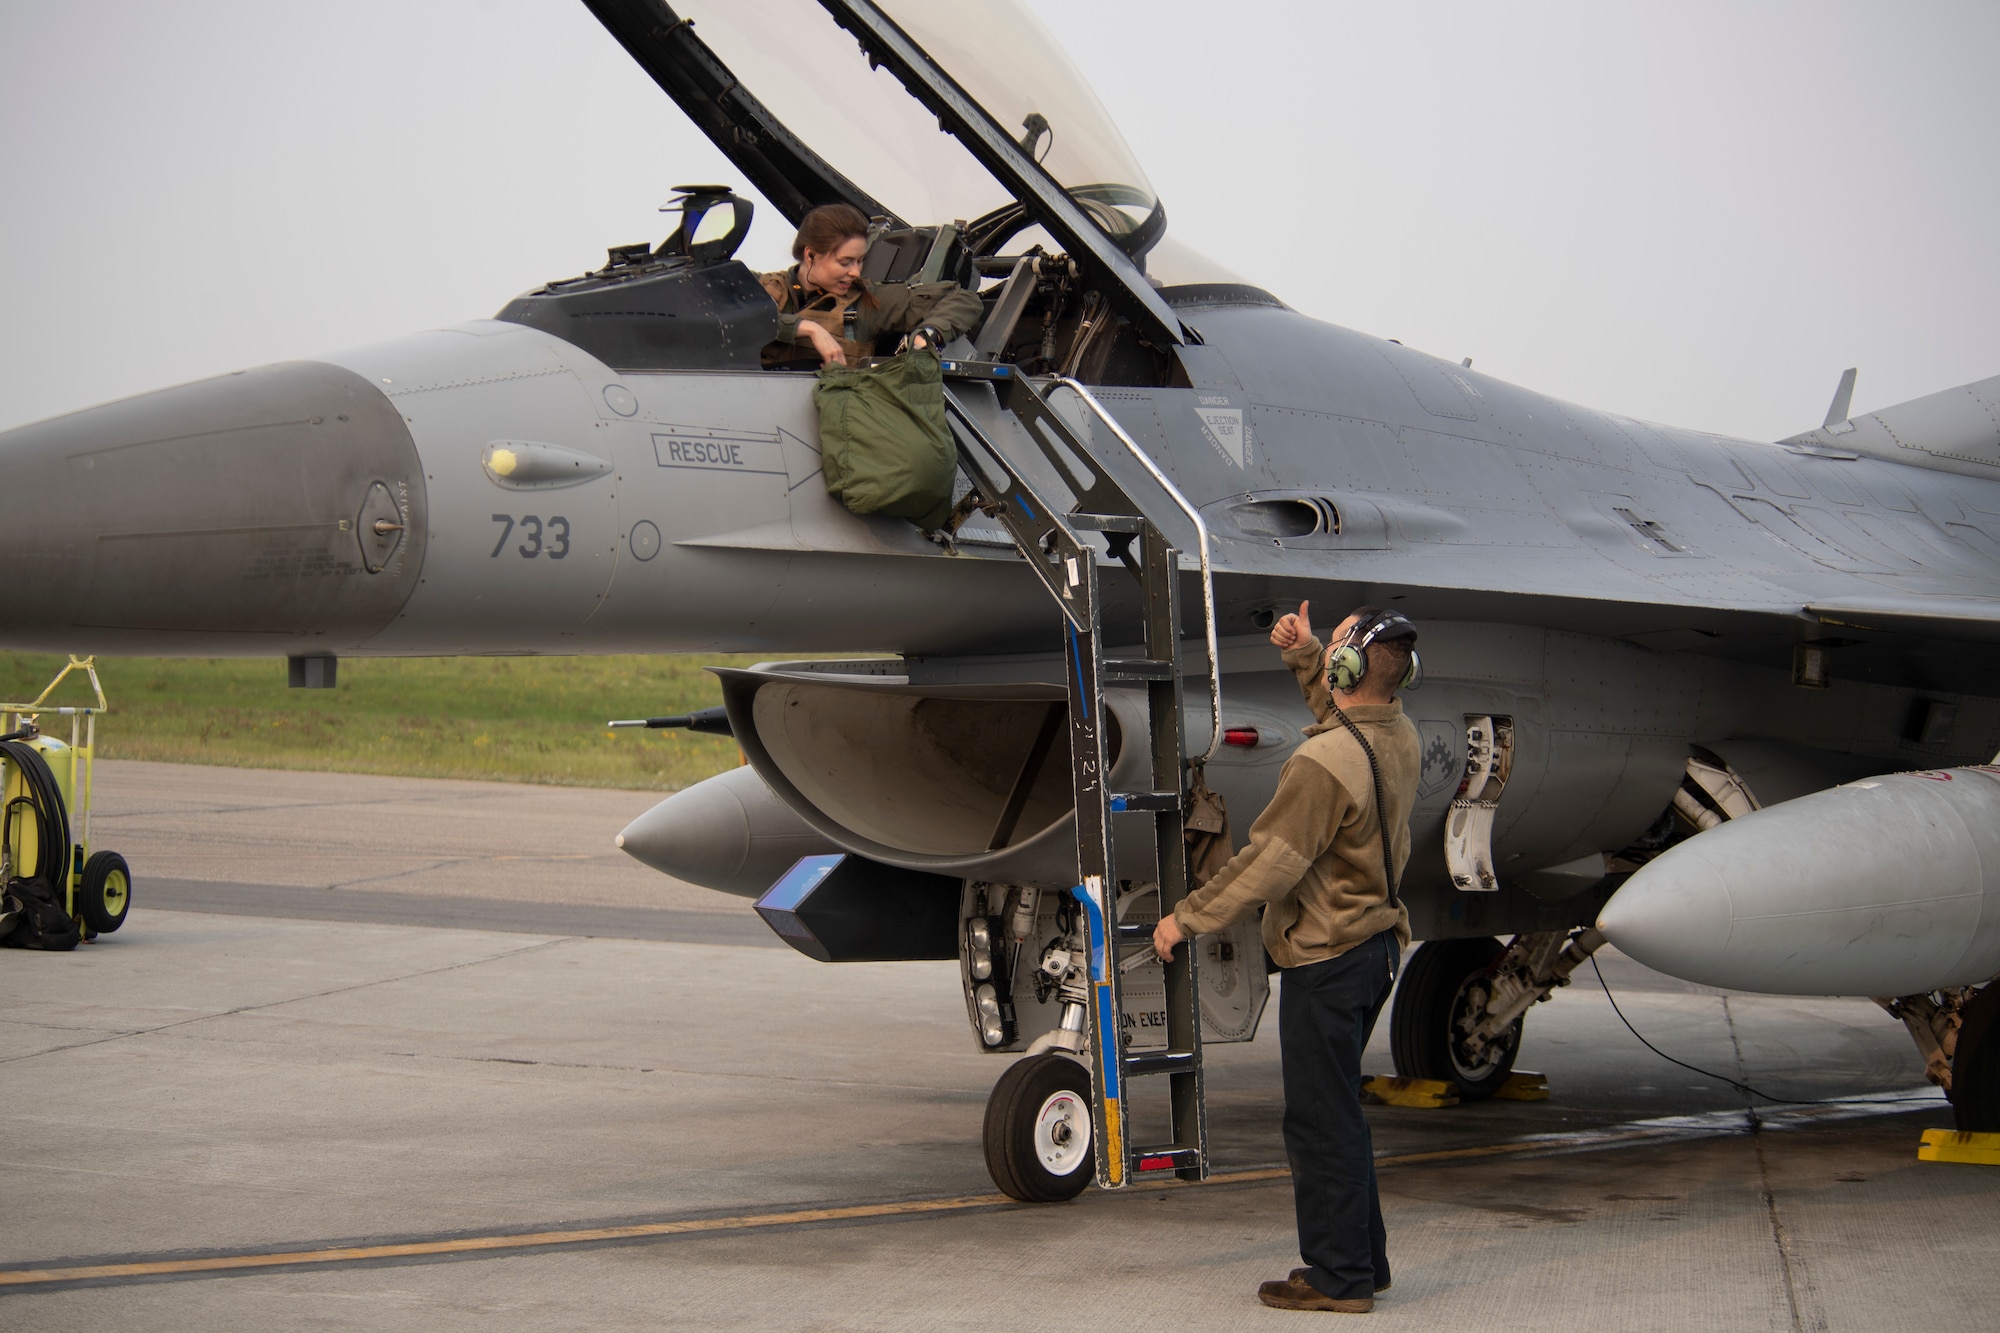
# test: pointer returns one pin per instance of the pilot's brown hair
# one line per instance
(825, 229)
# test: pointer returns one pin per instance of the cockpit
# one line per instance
(964, 132)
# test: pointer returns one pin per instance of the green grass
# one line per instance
(511, 719)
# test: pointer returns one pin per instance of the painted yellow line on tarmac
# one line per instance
(474, 1244)
(643, 1230)
(1582, 1140)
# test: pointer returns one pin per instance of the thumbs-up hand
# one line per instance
(1291, 630)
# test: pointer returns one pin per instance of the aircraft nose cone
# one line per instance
(1674, 915)
(275, 510)
(729, 833)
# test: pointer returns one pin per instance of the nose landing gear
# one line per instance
(1037, 1134)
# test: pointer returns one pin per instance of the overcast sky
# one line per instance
(1692, 213)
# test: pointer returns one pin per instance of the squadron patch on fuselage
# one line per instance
(1441, 764)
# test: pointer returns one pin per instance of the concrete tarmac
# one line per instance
(385, 1053)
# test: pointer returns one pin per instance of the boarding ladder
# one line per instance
(1053, 536)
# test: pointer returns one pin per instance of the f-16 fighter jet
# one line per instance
(1654, 656)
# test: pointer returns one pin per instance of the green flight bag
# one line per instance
(883, 439)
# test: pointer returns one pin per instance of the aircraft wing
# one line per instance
(1955, 619)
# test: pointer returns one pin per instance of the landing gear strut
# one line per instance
(1957, 1031)
(1461, 1004)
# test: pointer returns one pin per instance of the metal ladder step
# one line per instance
(1122, 801)
(1160, 1062)
(1135, 668)
(1170, 1158)
(1106, 522)
(1050, 529)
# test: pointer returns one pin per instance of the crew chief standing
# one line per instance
(1316, 864)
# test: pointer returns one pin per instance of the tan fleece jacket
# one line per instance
(1314, 860)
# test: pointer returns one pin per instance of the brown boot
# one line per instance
(1299, 1275)
(1295, 1293)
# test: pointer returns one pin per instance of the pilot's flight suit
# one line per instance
(901, 307)
(1314, 863)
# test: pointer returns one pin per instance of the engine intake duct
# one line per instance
(964, 780)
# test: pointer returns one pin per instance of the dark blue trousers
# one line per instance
(1326, 1012)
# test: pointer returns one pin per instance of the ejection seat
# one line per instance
(941, 254)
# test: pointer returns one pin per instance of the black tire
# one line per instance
(1975, 1066)
(1040, 1099)
(1430, 999)
(106, 892)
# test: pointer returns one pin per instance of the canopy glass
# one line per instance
(813, 77)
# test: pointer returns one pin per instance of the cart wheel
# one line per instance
(106, 892)
(1038, 1136)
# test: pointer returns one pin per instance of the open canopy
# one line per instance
(923, 111)
(815, 79)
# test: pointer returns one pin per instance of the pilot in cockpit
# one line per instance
(829, 315)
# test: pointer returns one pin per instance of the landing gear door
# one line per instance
(1230, 968)
(1009, 1009)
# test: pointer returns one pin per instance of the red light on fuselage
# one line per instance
(1244, 736)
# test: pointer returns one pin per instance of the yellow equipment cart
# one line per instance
(54, 892)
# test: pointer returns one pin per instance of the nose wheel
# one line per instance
(1038, 1130)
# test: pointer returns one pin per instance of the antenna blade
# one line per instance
(1842, 397)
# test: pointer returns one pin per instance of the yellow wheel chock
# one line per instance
(1429, 1093)
(1948, 1145)
(1422, 1093)
(1522, 1086)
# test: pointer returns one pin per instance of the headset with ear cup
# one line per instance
(1347, 667)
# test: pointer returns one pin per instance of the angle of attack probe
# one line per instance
(707, 721)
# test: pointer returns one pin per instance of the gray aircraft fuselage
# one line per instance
(221, 517)
(1621, 590)
(545, 483)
